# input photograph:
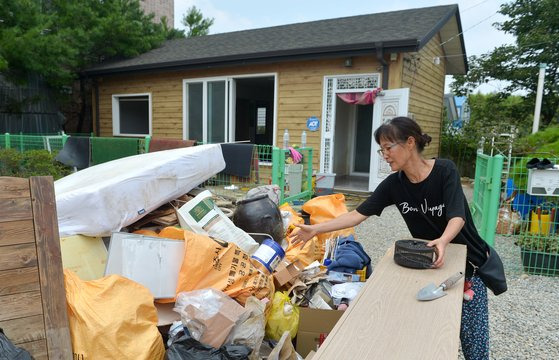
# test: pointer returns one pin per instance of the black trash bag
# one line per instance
(187, 348)
(9, 351)
(259, 215)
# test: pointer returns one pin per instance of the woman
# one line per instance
(428, 194)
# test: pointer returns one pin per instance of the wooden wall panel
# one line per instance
(20, 305)
(299, 85)
(16, 232)
(32, 297)
(38, 349)
(17, 256)
(24, 329)
(15, 209)
(19, 280)
(426, 82)
(11, 188)
(50, 267)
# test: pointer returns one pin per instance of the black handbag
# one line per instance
(491, 272)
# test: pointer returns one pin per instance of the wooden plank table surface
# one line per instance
(386, 321)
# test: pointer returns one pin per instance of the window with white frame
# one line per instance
(132, 114)
(206, 109)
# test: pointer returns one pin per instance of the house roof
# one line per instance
(395, 31)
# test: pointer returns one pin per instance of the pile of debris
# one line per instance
(155, 267)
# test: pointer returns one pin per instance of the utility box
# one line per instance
(543, 182)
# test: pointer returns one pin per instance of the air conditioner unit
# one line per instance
(543, 182)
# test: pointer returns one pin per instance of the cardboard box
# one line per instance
(286, 272)
(314, 326)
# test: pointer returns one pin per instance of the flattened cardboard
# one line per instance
(217, 327)
(165, 314)
(313, 323)
(286, 272)
(85, 255)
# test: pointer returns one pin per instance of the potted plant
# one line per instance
(540, 254)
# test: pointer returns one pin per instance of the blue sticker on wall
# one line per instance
(313, 123)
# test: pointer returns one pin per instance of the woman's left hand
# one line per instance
(440, 246)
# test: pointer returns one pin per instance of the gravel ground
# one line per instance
(524, 321)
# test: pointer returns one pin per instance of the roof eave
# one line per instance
(453, 12)
(408, 45)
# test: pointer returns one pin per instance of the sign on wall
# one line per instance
(313, 123)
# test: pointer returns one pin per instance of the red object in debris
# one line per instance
(321, 338)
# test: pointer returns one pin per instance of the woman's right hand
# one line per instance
(305, 233)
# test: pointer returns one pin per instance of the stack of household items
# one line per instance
(189, 275)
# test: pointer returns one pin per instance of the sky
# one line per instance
(477, 17)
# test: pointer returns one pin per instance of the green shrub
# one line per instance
(10, 161)
(31, 163)
(545, 142)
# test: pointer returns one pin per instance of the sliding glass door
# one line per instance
(206, 106)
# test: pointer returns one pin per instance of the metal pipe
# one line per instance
(380, 57)
(539, 95)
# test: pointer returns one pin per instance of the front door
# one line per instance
(393, 103)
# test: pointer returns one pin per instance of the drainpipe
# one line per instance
(97, 122)
(380, 57)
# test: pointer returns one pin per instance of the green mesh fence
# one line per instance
(52, 143)
(528, 214)
(236, 187)
(270, 165)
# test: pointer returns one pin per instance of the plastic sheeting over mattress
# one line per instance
(104, 198)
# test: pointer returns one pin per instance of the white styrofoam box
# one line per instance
(543, 182)
(151, 261)
(325, 180)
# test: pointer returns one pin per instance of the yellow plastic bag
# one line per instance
(223, 266)
(112, 318)
(324, 208)
(284, 316)
(311, 251)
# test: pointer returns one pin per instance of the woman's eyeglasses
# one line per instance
(386, 149)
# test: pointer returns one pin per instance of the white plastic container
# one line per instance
(325, 183)
(294, 178)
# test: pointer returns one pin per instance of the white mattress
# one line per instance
(104, 198)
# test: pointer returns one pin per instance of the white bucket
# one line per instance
(325, 183)
(267, 257)
(294, 178)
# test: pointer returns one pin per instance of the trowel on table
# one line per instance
(432, 292)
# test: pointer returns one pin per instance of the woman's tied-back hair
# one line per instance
(399, 129)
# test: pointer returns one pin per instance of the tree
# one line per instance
(195, 22)
(535, 24)
(57, 39)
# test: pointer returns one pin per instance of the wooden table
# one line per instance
(386, 321)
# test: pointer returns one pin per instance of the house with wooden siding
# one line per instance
(253, 84)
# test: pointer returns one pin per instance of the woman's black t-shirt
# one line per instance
(439, 197)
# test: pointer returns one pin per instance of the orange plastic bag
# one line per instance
(210, 263)
(311, 251)
(169, 232)
(324, 208)
(172, 232)
(112, 318)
